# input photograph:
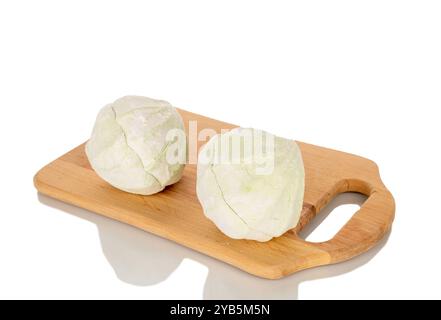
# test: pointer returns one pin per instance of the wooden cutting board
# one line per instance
(176, 214)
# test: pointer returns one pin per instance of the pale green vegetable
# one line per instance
(129, 145)
(244, 201)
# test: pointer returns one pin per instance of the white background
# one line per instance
(358, 76)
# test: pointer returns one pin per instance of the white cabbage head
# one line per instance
(255, 194)
(128, 147)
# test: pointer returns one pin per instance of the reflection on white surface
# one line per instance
(142, 259)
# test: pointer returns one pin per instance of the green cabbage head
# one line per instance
(251, 190)
(128, 147)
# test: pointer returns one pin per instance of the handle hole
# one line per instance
(333, 217)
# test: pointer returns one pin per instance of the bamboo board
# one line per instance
(176, 214)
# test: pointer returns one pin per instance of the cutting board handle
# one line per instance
(369, 224)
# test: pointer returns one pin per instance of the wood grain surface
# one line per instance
(176, 214)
